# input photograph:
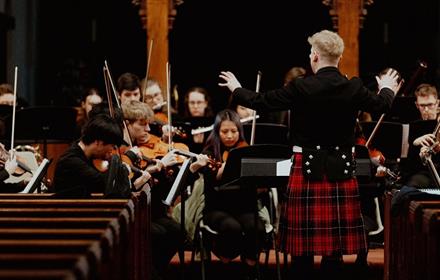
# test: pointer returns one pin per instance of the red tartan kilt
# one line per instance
(320, 218)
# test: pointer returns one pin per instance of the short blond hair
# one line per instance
(137, 110)
(425, 90)
(329, 44)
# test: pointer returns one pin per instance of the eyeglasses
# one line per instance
(194, 103)
(427, 105)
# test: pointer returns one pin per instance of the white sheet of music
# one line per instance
(283, 167)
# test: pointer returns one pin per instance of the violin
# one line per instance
(102, 165)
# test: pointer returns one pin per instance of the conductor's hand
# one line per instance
(425, 140)
(231, 81)
(390, 80)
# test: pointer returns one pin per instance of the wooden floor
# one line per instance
(233, 271)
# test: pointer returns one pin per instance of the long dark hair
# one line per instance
(214, 142)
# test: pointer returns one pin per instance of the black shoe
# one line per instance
(332, 267)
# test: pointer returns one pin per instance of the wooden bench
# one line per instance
(66, 227)
(412, 240)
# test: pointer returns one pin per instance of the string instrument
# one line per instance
(156, 148)
(212, 163)
(421, 69)
(211, 127)
(21, 166)
(239, 145)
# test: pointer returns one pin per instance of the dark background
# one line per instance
(209, 36)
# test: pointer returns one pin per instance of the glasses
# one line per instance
(427, 105)
(194, 103)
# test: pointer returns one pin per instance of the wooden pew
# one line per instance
(76, 222)
(412, 240)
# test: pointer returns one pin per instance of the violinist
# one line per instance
(230, 213)
(75, 173)
(166, 232)
(415, 174)
(7, 169)
(322, 154)
(128, 87)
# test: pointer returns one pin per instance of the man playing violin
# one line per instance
(166, 232)
(75, 173)
(414, 173)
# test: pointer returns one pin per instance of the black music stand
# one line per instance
(43, 123)
(5, 110)
(388, 138)
(267, 133)
(403, 110)
(255, 167)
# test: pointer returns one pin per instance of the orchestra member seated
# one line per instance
(90, 98)
(166, 232)
(128, 87)
(7, 169)
(197, 105)
(414, 173)
(76, 174)
(230, 213)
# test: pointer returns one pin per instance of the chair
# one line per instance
(204, 234)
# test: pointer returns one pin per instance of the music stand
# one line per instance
(254, 166)
(43, 123)
(267, 133)
(403, 110)
(388, 138)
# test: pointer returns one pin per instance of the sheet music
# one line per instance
(37, 175)
(283, 167)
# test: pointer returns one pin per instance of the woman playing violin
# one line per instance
(75, 173)
(166, 232)
(231, 213)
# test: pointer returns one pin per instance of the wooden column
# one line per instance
(157, 27)
(348, 16)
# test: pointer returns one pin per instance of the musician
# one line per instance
(166, 232)
(90, 98)
(230, 213)
(197, 106)
(128, 87)
(7, 169)
(414, 173)
(324, 182)
(75, 173)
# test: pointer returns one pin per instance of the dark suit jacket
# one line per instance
(324, 106)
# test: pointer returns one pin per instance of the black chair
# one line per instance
(253, 166)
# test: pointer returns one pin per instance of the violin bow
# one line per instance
(254, 112)
(147, 72)
(13, 108)
(168, 69)
(109, 83)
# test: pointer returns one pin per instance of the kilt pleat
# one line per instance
(320, 218)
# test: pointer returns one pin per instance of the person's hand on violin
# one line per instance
(141, 180)
(201, 161)
(11, 164)
(231, 81)
(166, 132)
(426, 140)
(169, 159)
